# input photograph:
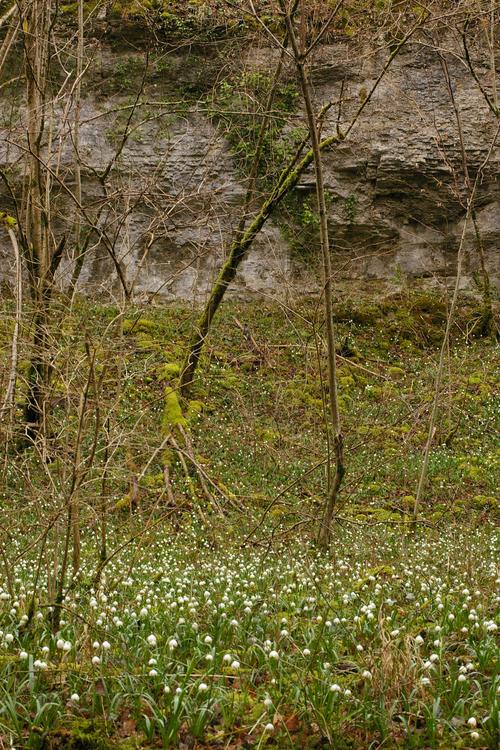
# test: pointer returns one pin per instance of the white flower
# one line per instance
(143, 612)
(67, 646)
(269, 727)
(96, 645)
(419, 640)
(227, 658)
(306, 652)
(472, 722)
(172, 644)
(334, 688)
(96, 660)
(474, 735)
(202, 687)
(462, 678)
(151, 639)
(347, 692)
(274, 655)
(235, 664)
(268, 702)
(366, 675)
(74, 698)
(208, 640)
(23, 655)
(425, 681)
(434, 657)
(60, 644)
(153, 673)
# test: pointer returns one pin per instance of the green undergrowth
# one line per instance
(217, 623)
(256, 412)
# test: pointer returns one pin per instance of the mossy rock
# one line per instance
(153, 481)
(172, 411)
(475, 379)
(169, 371)
(396, 372)
(123, 503)
(82, 734)
(228, 380)
(167, 458)
(299, 395)
(375, 489)
(485, 502)
(408, 502)
(145, 341)
(194, 410)
(347, 381)
(374, 392)
(142, 325)
(363, 314)
(268, 435)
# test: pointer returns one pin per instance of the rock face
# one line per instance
(399, 178)
(173, 198)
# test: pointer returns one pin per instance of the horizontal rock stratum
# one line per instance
(171, 201)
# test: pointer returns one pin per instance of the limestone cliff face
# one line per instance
(400, 172)
(396, 187)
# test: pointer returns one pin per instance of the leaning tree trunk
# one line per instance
(286, 182)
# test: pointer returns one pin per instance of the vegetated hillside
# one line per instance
(216, 623)
(256, 413)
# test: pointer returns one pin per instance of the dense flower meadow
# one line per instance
(390, 640)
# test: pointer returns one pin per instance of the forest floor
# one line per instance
(216, 622)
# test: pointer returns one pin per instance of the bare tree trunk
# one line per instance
(439, 376)
(79, 251)
(35, 23)
(10, 36)
(335, 481)
(9, 400)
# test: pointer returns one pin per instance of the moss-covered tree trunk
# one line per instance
(239, 248)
